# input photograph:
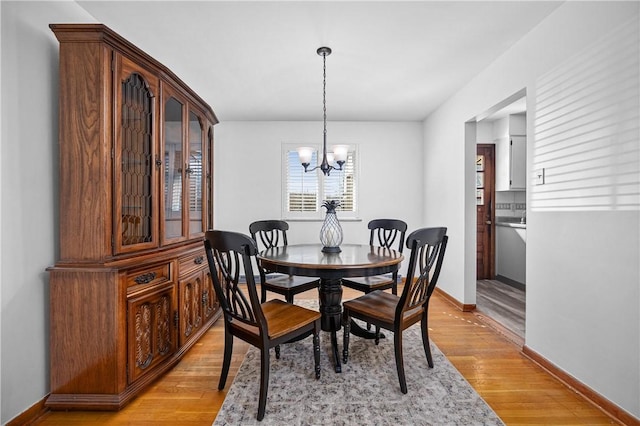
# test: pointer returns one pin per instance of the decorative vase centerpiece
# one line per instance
(331, 231)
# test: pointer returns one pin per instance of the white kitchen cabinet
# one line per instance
(518, 162)
(511, 156)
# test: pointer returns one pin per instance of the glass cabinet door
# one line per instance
(173, 168)
(135, 205)
(185, 180)
(209, 194)
(196, 145)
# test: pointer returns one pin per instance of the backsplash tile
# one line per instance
(510, 203)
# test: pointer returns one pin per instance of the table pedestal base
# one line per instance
(330, 297)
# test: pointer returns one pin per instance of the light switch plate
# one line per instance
(540, 176)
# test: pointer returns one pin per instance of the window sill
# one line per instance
(341, 219)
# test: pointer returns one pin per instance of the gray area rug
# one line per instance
(367, 392)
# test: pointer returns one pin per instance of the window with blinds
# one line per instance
(304, 193)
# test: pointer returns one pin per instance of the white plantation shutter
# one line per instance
(301, 188)
(304, 193)
(340, 185)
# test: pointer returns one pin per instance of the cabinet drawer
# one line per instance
(192, 262)
(150, 275)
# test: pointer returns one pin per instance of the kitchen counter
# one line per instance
(511, 222)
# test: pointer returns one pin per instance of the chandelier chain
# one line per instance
(305, 153)
(324, 91)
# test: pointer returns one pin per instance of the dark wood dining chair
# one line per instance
(263, 325)
(273, 233)
(397, 313)
(388, 233)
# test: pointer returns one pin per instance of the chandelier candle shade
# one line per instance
(331, 230)
(339, 154)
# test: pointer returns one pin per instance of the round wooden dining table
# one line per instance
(354, 260)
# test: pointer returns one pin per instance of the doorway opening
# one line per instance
(501, 215)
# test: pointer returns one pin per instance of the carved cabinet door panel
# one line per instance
(191, 300)
(152, 335)
(209, 298)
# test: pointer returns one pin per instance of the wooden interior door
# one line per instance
(485, 193)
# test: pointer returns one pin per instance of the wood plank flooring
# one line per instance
(518, 390)
(503, 304)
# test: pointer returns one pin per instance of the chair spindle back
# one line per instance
(384, 233)
(427, 253)
(228, 254)
(271, 233)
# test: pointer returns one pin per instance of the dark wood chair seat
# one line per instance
(369, 284)
(395, 313)
(281, 318)
(264, 325)
(380, 307)
(289, 285)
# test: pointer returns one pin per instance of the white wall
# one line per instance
(1, 202)
(582, 267)
(574, 304)
(29, 206)
(248, 173)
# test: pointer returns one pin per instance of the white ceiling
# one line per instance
(391, 60)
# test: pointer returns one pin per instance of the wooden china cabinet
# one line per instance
(131, 291)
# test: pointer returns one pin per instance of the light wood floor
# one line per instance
(518, 390)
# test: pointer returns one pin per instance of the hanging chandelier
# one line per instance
(339, 153)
